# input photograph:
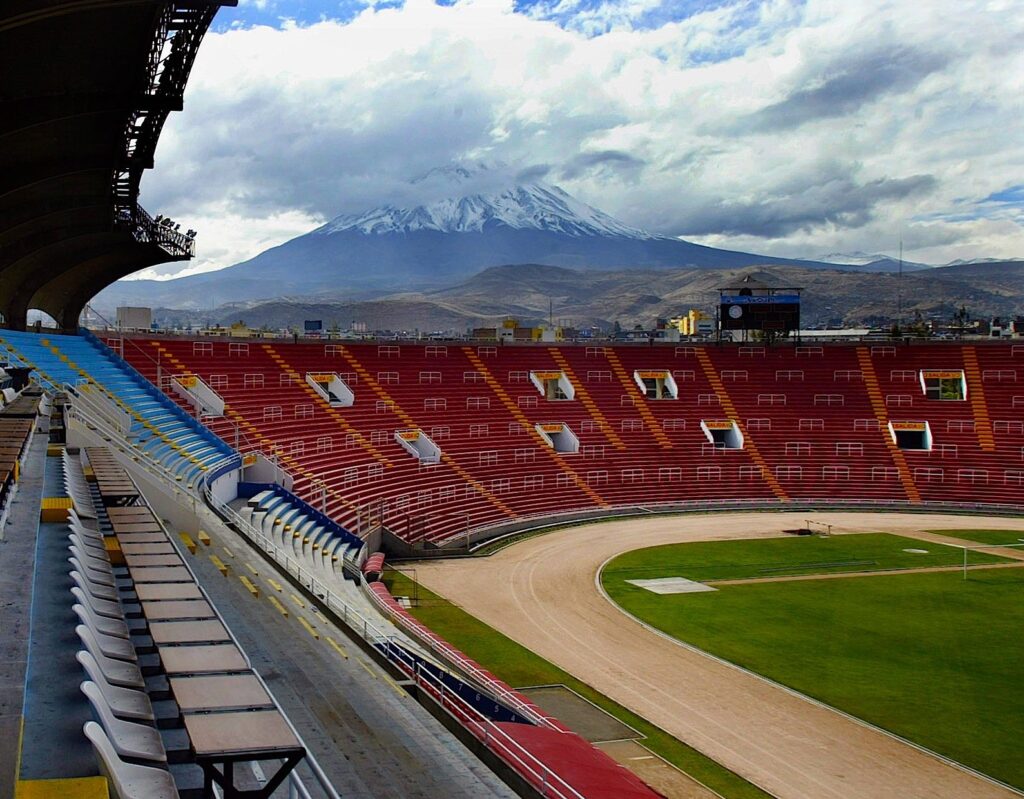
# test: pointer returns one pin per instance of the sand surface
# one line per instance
(542, 593)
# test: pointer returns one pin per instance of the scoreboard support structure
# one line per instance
(754, 306)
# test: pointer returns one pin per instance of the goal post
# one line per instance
(967, 549)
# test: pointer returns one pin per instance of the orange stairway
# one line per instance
(584, 397)
(300, 381)
(368, 380)
(976, 394)
(748, 443)
(631, 388)
(521, 418)
(882, 415)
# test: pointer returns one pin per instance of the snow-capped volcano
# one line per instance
(445, 226)
(530, 206)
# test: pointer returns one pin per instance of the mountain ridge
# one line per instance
(442, 227)
(527, 291)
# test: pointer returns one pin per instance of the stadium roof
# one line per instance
(85, 88)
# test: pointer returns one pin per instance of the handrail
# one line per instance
(158, 395)
(510, 749)
(114, 437)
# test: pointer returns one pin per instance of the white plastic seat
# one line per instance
(85, 533)
(91, 561)
(83, 530)
(90, 547)
(111, 645)
(101, 624)
(125, 703)
(78, 490)
(110, 609)
(117, 672)
(96, 567)
(93, 589)
(75, 515)
(129, 738)
(90, 538)
(127, 780)
(100, 578)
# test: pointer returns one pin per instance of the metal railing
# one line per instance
(146, 230)
(391, 646)
(541, 520)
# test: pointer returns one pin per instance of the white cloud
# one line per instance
(783, 127)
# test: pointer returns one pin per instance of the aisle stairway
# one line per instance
(976, 396)
(878, 405)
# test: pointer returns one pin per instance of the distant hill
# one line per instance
(469, 221)
(639, 296)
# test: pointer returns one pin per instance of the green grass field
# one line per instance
(520, 667)
(986, 536)
(793, 555)
(931, 657)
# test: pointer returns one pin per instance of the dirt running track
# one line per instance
(542, 593)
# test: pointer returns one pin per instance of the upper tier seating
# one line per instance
(157, 427)
(814, 421)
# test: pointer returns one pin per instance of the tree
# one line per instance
(961, 319)
(919, 327)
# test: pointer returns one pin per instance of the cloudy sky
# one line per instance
(787, 127)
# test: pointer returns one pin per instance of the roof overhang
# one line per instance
(85, 89)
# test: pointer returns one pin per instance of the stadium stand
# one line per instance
(443, 443)
(814, 423)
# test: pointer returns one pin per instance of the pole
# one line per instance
(899, 291)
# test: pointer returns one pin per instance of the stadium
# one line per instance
(305, 567)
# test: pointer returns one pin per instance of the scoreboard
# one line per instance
(777, 312)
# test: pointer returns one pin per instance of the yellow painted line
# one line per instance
(394, 686)
(323, 619)
(21, 741)
(280, 608)
(274, 584)
(251, 568)
(221, 565)
(337, 646)
(228, 552)
(309, 627)
(204, 539)
(297, 601)
(186, 539)
(369, 671)
(250, 586)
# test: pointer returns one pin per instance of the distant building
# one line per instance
(238, 329)
(510, 331)
(1006, 328)
(695, 323)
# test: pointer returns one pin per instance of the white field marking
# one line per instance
(917, 551)
(672, 585)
